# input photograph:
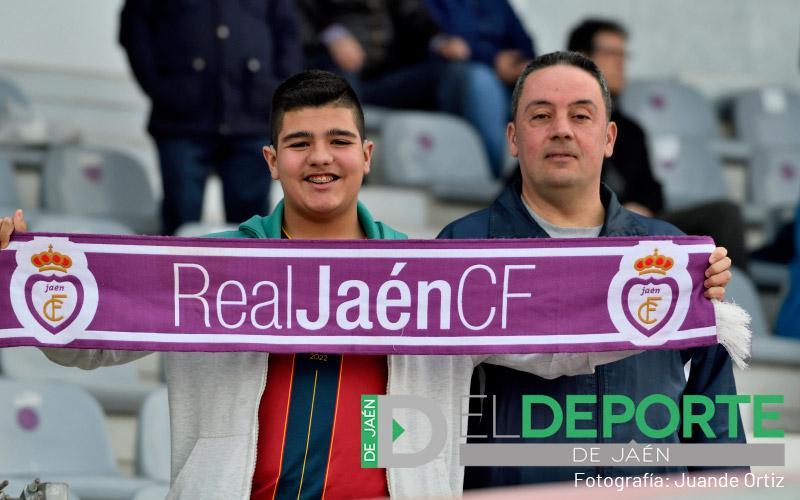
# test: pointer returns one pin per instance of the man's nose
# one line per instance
(561, 127)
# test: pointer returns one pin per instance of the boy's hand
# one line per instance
(10, 224)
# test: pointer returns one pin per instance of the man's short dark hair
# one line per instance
(566, 59)
(312, 89)
(581, 38)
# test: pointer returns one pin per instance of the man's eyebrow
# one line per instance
(300, 134)
(538, 102)
(579, 102)
(584, 102)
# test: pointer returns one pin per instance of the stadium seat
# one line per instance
(198, 229)
(767, 348)
(153, 444)
(669, 107)
(82, 180)
(117, 388)
(152, 493)
(57, 432)
(688, 170)
(766, 116)
(50, 223)
(435, 151)
(774, 180)
(9, 198)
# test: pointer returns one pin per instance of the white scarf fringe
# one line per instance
(733, 331)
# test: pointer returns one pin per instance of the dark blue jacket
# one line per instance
(488, 26)
(210, 66)
(637, 376)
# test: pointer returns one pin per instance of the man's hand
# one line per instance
(508, 64)
(718, 274)
(10, 224)
(454, 48)
(347, 53)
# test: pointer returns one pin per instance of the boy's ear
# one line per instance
(272, 160)
(368, 147)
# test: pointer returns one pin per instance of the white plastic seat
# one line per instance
(767, 115)
(91, 181)
(435, 151)
(117, 388)
(57, 432)
(153, 442)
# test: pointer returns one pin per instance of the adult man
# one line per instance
(210, 68)
(560, 132)
(628, 171)
(240, 430)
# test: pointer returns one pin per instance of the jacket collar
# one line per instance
(270, 226)
(509, 218)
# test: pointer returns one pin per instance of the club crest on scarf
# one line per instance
(58, 296)
(650, 293)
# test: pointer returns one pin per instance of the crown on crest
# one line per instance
(51, 261)
(653, 264)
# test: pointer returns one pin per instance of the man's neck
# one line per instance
(337, 228)
(566, 208)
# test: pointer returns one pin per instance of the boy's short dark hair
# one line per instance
(581, 39)
(313, 88)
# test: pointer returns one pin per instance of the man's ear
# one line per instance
(272, 160)
(511, 139)
(368, 148)
(611, 138)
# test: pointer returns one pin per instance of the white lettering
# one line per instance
(176, 267)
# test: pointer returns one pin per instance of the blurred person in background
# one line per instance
(209, 68)
(498, 48)
(396, 56)
(628, 171)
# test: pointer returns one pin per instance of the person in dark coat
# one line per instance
(209, 68)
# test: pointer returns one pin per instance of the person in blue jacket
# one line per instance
(560, 132)
(788, 323)
(209, 68)
(498, 48)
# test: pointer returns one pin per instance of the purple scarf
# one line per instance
(366, 296)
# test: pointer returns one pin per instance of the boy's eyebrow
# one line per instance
(305, 134)
(341, 131)
(300, 134)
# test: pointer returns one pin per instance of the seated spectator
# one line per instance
(395, 56)
(499, 49)
(628, 171)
